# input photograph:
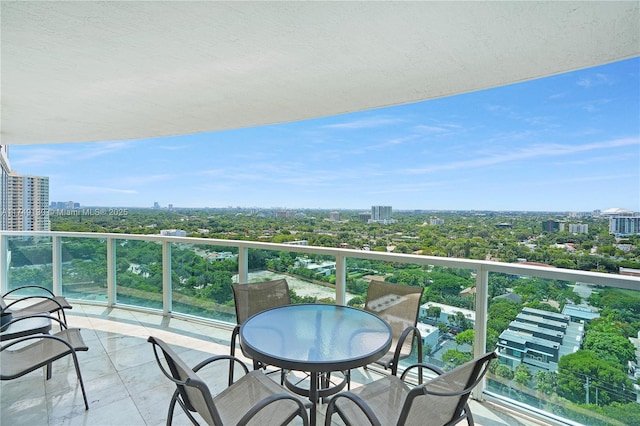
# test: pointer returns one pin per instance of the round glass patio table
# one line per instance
(315, 338)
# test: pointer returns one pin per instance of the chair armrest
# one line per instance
(396, 355)
(63, 326)
(22, 299)
(364, 407)
(265, 402)
(439, 371)
(421, 365)
(29, 286)
(220, 358)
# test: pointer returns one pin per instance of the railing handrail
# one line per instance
(598, 278)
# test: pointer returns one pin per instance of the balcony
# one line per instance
(123, 382)
(117, 317)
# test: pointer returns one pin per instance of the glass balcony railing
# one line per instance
(562, 335)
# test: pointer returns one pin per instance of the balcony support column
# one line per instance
(4, 264)
(56, 263)
(243, 265)
(166, 278)
(341, 279)
(482, 305)
(111, 272)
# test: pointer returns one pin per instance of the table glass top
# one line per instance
(315, 333)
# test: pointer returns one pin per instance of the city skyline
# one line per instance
(569, 142)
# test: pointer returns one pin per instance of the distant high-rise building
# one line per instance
(335, 216)
(156, 205)
(28, 203)
(381, 214)
(578, 228)
(551, 226)
(4, 187)
(24, 200)
(624, 225)
(436, 221)
(365, 216)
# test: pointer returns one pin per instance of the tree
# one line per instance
(581, 372)
(465, 337)
(455, 358)
(522, 375)
(546, 382)
(504, 371)
(610, 346)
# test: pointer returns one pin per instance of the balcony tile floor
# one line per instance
(123, 383)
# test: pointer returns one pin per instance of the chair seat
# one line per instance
(16, 363)
(45, 305)
(235, 401)
(385, 396)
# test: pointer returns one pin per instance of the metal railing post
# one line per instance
(243, 265)
(166, 278)
(56, 263)
(482, 305)
(111, 272)
(341, 279)
(4, 263)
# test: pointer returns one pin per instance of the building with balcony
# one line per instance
(538, 338)
(623, 226)
(578, 228)
(381, 214)
(28, 203)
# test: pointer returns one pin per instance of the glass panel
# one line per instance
(446, 319)
(139, 273)
(201, 280)
(30, 262)
(565, 348)
(311, 278)
(84, 268)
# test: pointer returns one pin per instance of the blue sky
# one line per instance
(570, 142)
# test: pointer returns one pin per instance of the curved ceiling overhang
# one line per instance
(95, 71)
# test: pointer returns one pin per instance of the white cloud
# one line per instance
(535, 151)
(366, 123)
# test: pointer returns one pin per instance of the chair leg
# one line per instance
(348, 374)
(231, 363)
(467, 411)
(84, 394)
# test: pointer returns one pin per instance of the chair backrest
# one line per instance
(442, 400)
(195, 394)
(398, 305)
(256, 297)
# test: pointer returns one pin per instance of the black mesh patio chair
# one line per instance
(46, 302)
(39, 350)
(253, 398)
(251, 299)
(399, 305)
(441, 401)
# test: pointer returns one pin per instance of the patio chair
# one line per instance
(441, 401)
(251, 299)
(47, 303)
(41, 350)
(253, 398)
(399, 306)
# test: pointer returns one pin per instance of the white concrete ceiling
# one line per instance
(92, 71)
